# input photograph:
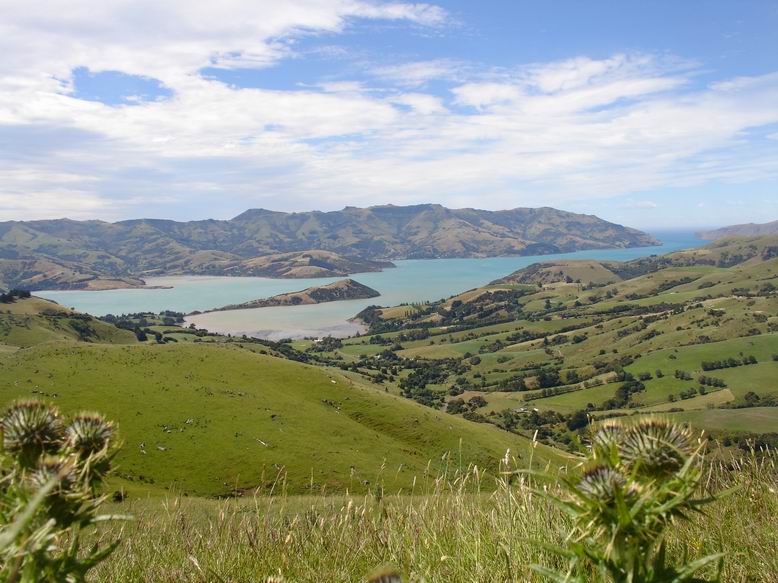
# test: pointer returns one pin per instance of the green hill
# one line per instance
(213, 419)
(31, 321)
(689, 331)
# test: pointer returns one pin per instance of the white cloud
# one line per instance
(427, 14)
(343, 87)
(639, 204)
(56, 202)
(418, 73)
(540, 134)
(421, 103)
(165, 39)
(480, 95)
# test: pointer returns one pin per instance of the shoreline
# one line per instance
(346, 329)
(204, 277)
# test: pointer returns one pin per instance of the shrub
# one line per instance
(50, 475)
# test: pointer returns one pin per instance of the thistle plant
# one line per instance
(50, 476)
(639, 479)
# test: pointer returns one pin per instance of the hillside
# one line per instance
(303, 264)
(31, 321)
(553, 344)
(721, 254)
(91, 273)
(346, 289)
(215, 419)
(746, 230)
(68, 254)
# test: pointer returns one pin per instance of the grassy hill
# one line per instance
(69, 254)
(27, 322)
(212, 419)
(689, 331)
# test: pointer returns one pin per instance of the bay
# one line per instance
(411, 281)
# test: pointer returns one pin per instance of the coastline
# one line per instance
(111, 284)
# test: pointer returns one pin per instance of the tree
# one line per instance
(456, 406)
(578, 420)
(477, 402)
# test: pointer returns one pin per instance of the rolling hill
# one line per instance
(218, 419)
(555, 343)
(32, 321)
(67, 254)
(746, 230)
(210, 416)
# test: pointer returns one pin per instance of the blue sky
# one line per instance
(653, 114)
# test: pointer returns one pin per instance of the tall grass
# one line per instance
(463, 527)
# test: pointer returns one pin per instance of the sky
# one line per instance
(658, 114)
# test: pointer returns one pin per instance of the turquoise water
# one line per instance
(410, 281)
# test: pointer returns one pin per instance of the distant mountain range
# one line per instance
(747, 230)
(67, 254)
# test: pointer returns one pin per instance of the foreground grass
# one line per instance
(445, 533)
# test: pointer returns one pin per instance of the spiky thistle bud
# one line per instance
(65, 500)
(656, 447)
(607, 439)
(601, 482)
(54, 468)
(30, 429)
(88, 433)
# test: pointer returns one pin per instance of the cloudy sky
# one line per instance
(653, 114)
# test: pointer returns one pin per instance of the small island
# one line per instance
(345, 289)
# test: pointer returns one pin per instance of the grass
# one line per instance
(750, 420)
(445, 534)
(212, 419)
(32, 321)
(690, 358)
(713, 399)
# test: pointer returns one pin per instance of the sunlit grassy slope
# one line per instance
(213, 419)
(592, 324)
(26, 322)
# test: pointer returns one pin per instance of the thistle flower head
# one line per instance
(609, 436)
(54, 467)
(88, 433)
(30, 429)
(656, 447)
(601, 482)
